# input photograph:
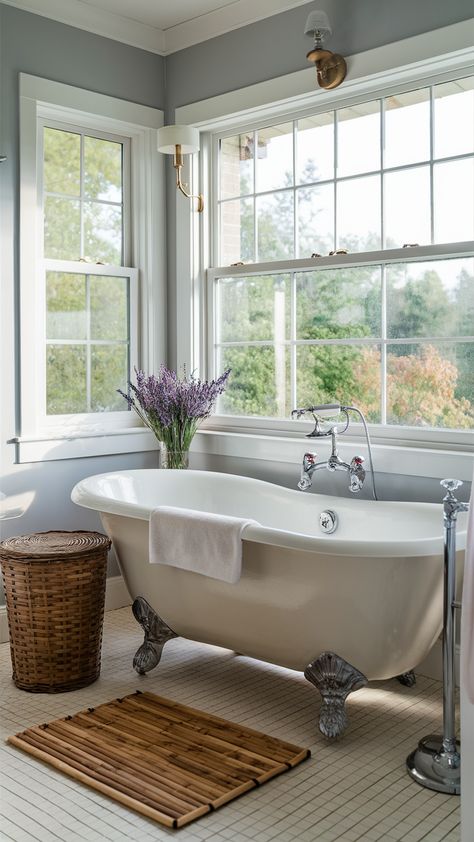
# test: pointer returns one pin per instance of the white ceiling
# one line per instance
(161, 26)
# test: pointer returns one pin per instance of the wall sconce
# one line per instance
(331, 68)
(179, 141)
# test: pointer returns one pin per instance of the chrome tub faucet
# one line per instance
(354, 468)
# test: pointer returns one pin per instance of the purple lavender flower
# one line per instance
(171, 406)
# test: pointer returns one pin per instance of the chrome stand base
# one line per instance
(157, 633)
(335, 679)
(436, 766)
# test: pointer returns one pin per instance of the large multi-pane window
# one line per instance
(87, 285)
(380, 180)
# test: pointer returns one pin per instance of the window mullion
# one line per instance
(88, 343)
(432, 118)
(293, 359)
(383, 349)
(81, 199)
(335, 178)
(255, 220)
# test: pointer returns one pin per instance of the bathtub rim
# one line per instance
(83, 496)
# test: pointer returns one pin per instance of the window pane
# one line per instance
(109, 307)
(62, 162)
(454, 201)
(275, 157)
(407, 128)
(431, 385)
(109, 372)
(435, 298)
(407, 207)
(253, 309)
(358, 139)
(454, 118)
(258, 383)
(103, 233)
(236, 165)
(340, 374)
(102, 169)
(62, 228)
(358, 214)
(237, 237)
(65, 306)
(338, 304)
(315, 148)
(315, 220)
(275, 223)
(66, 390)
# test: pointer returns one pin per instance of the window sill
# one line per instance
(414, 461)
(80, 444)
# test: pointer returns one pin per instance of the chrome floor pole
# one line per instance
(436, 763)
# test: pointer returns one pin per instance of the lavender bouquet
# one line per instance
(172, 408)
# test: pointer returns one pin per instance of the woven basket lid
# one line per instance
(53, 545)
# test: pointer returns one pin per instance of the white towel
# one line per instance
(205, 543)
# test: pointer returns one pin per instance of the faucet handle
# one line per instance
(357, 474)
(451, 485)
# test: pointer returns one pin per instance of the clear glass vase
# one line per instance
(173, 458)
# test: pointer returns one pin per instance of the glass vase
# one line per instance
(173, 458)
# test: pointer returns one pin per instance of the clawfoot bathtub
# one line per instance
(362, 603)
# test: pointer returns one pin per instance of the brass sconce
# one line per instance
(331, 68)
(179, 141)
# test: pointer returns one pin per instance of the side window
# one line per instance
(87, 287)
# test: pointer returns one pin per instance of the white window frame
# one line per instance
(415, 62)
(43, 101)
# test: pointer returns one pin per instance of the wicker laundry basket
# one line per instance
(55, 592)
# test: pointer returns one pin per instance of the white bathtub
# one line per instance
(371, 592)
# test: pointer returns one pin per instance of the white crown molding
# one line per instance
(107, 24)
(225, 19)
(163, 42)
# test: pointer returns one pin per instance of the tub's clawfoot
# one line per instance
(157, 633)
(335, 679)
(408, 679)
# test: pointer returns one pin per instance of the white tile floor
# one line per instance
(352, 789)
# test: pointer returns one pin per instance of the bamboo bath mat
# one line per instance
(167, 761)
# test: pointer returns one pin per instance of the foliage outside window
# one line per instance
(87, 290)
(394, 337)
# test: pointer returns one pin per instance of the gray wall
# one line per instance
(42, 47)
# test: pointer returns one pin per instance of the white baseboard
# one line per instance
(432, 666)
(4, 636)
(116, 596)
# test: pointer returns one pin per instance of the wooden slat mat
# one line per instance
(167, 761)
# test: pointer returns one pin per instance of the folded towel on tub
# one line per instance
(202, 542)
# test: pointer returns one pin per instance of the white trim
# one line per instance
(80, 444)
(116, 593)
(222, 20)
(145, 36)
(432, 665)
(401, 62)
(4, 633)
(84, 102)
(40, 98)
(116, 596)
